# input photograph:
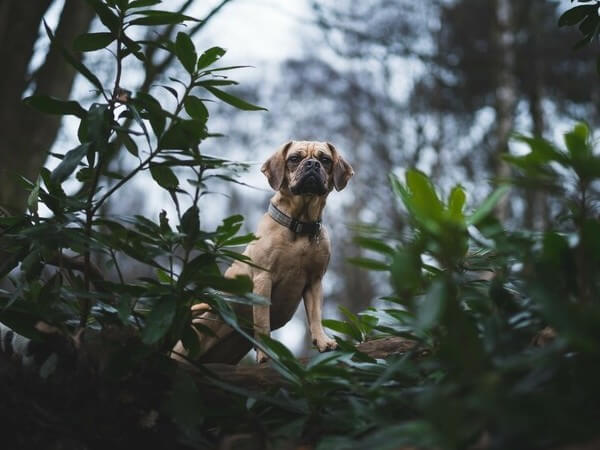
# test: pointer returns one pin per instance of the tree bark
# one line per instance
(536, 211)
(26, 134)
(264, 376)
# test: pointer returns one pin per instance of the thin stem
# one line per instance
(582, 277)
(90, 208)
(119, 273)
(146, 161)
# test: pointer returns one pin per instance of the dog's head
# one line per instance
(307, 168)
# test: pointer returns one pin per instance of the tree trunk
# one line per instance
(506, 98)
(26, 134)
(536, 211)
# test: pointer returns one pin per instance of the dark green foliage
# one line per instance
(586, 16)
(477, 297)
(55, 280)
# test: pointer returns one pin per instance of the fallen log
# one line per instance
(264, 376)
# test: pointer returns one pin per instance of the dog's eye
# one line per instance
(325, 160)
(294, 159)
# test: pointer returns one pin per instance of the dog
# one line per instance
(289, 257)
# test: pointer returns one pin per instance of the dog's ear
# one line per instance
(274, 167)
(342, 171)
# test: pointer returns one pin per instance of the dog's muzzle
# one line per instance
(311, 179)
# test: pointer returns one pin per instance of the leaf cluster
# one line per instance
(66, 255)
(585, 17)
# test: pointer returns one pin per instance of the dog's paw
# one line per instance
(325, 344)
(261, 357)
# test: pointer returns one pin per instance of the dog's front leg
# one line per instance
(313, 302)
(261, 314)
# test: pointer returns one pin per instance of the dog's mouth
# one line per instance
(311, 183)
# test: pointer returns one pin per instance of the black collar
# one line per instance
(311, 228)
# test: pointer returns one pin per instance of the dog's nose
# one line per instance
(313, 164)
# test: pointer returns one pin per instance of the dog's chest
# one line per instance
(310, 256)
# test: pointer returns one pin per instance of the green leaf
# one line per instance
(128, 142)
(154, 17)
(133, 48)
(190, 222)
(575, 15)
(155, 113)
(138, 119)
(172, 91)
(184, 134)
(22, 323)
(241, 284)
(98, 125)
(220, 69)
(542, 151)
(406, 271)
(210, 56)
(364, 323)
(159, 320)
(143, 3)
(456, 203)
(90, 42)
(190, 341)
(216, 82)
(431, 307)
(164, 176)
(163, 276)
(32, 265)
(233, 100)
(186, 52)
(32, 198)
(69, 163)
(343, 328)
(124, 308)
(423, 196)
(488, 205)
(576, 142)
(78, 65)
(195, 108)
(106, 15)
(584, 41)
(368, 263)
(589, 25)
(239, 240)
(51, 105)
(582, 130)
(401, 192)
(279, 349)
(377, 245)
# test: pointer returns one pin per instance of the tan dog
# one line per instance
(291, 245)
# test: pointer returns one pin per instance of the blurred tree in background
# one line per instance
(397, 84)
(27, 135)
(437, 85)
(23, 152)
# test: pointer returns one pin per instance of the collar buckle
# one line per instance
(318, 227)
(313, 229)
(295, 225)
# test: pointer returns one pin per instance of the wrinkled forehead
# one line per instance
(310, 148)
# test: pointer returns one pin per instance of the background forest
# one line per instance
(466, 232)
(437, 85)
